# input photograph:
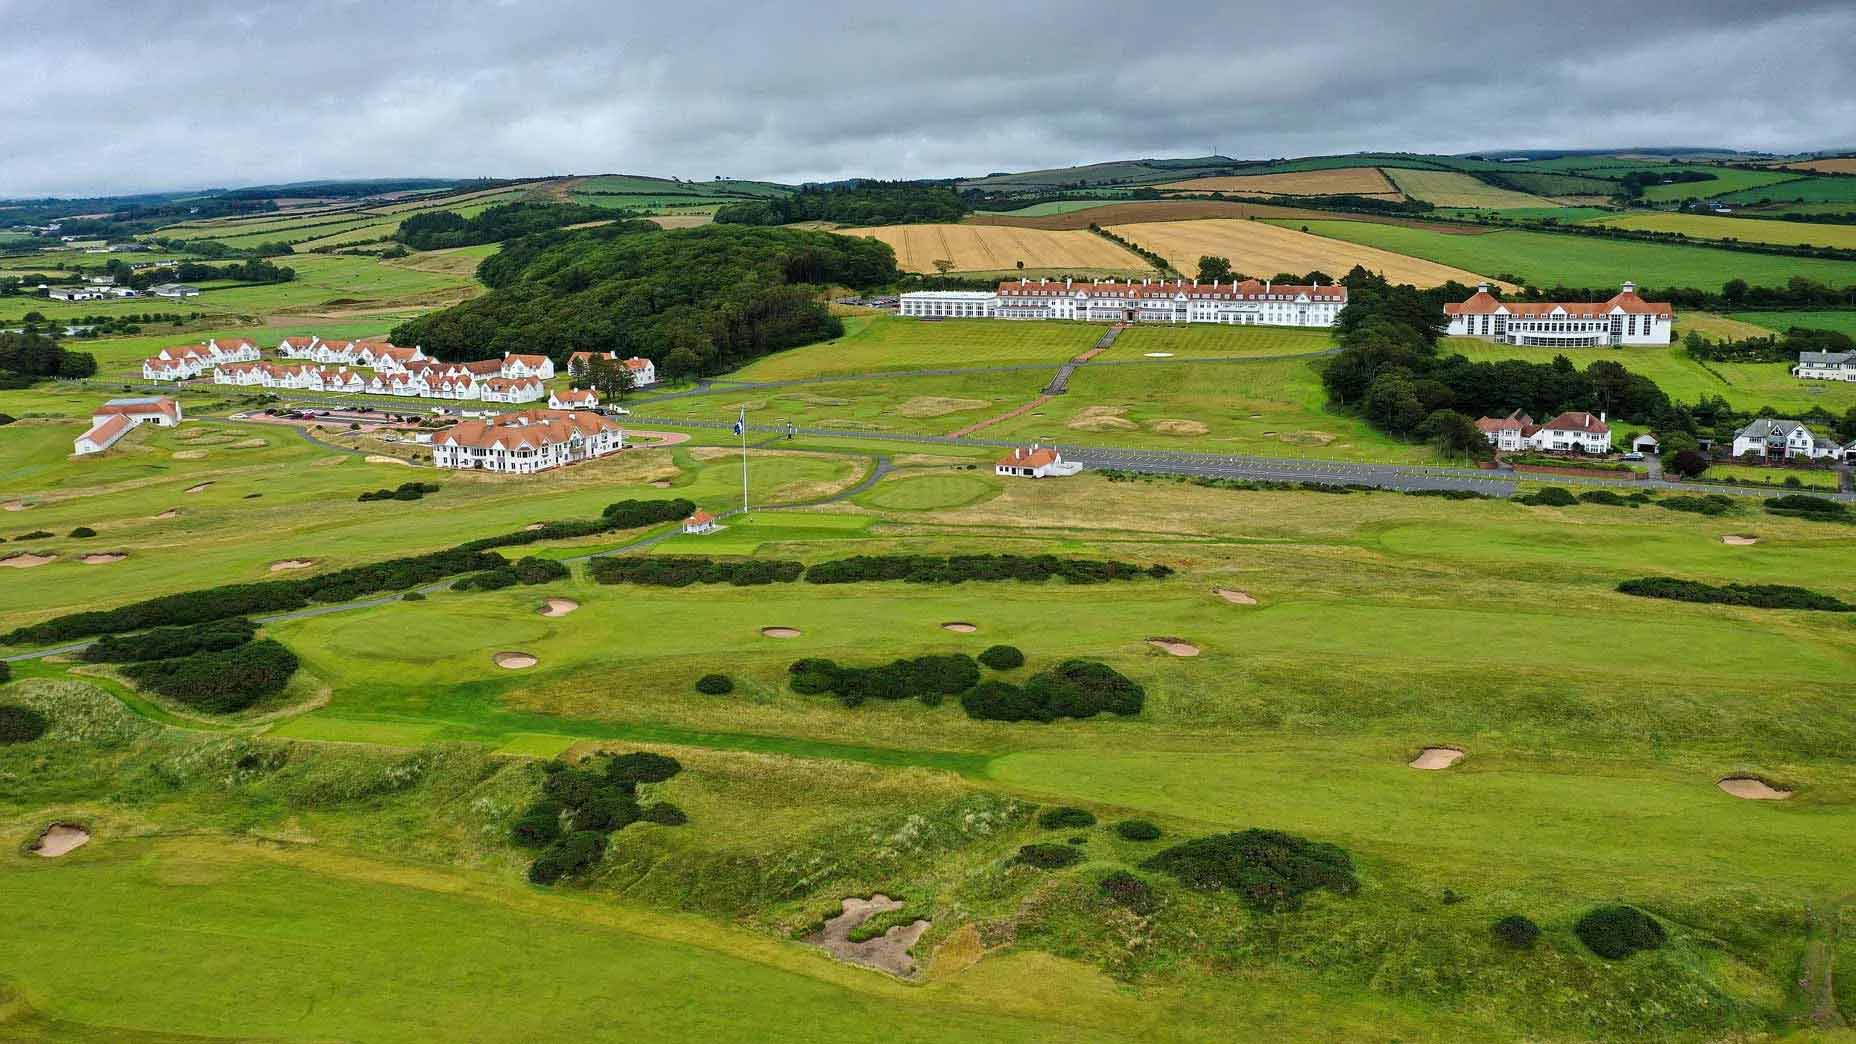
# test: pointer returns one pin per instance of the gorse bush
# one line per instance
(1268, 869)
(1715, 504)
(220, 681)
(684, 570)
(609, 808)
(1072, 689)
(596, 803)
(571, 856)
(20, 724)
(1137, 830)
(490, 580)
(405, 491)
(1516, 931)
(642, 767)
(1049, 857)
(1066, 817)
(1002, 658)
(927, 678)
(1758, 596)
(82, 533)
(954, 569)
(540, 825)
(1617, 931)
(573, 787)
(37, 534)
(1126, 889)
(1799, 505)
(664, 813)
(633, 514)
(715, 684)
(164, 643)
(534, 570)
(1548, 496)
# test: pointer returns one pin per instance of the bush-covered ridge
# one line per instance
(579, 809)
(1758, 596)
(165, 643)
(954, 569)
(219, 681)
(1271, 870)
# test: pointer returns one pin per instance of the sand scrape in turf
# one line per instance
(515, 661)
(60, 839)
(888, 952)
(559, 607)
(1750, 788)
(1235, 597)
(1174, 646)
(1432, 759)
(26, 561)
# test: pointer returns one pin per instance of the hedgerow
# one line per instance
(1137, 830)
(1515, 930)
(1066, 817)
(684, 570)
(1758, 596)
(632, 514)
(1712, 504)
(1617, 931)
(927, 678)
(1049, 857)
(221, 681)
(1799, 505)
(1002, 658)
(1269, 869)
(1548, 496)
(164, 643)
(20, 724)
(1126, 889)
(490, 580)
(405, 491)
(533, 570)
(715, 684)
(1072, 689)
(954, 569)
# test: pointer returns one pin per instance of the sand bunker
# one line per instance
(377, 458)
(559, 607)
(959, 628)
(514, 661)
(1309, 438)
(1174, 647)
(1158, 355)
(779, 632)
(26, 561)
(1234, 597)
(1102, 418)
(103, 558)
(196, 489)
(532, 526)
(1738, 540)
(292, 563)
(661, 484)
(923, 406)
(16, 505)
(169, 513)
(1752, 789)
(1179, 427)
(1433, 758)
(887, 952)
(60, 839)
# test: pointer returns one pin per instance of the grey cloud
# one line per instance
(171, 94)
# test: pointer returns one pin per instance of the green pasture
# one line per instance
(885, 342)
(1057, 206)
(1842, 322)
(1547, 259)
(1750, 230)
(1725, 180)
(1564, 215)
(1808, 191)
(1808, 477)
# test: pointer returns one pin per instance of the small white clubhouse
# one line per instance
(118, 417)
(1035, 462)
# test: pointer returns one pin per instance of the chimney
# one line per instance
(1066, 282)
(1482, 288)
(1630, 287)
(1601, 416)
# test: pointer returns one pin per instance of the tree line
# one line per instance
(30, 356)
(858, 203)
(441, 229)
(1770, 348)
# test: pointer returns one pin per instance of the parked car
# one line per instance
(1633, 455)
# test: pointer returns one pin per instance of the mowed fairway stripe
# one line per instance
(1261, 250)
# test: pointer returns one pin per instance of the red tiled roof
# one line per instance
(1578, 421)
(1516, 421)
(577, 395)
(1030, 458)
(107, 429)
(1484, 303)
(532, 360)
(700, 518)
(530, 428)
(637, 363)
(161, 405)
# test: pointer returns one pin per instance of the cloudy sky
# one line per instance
(113, 96)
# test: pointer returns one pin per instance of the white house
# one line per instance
(233, 349)
(578, 399)
(118, 417)
(527, 442)
(1247, 302)
(520, 366)
(342, 352)
(389, 358)
(1577, 431)
(1626, 319)
(507, 389)
(1826, 366)
(1036, 462)
(76, 293)
(577, 361)
(700, 522)
(296, 347)
(644, 371)
(175, 290)
(1508, 434)
(1784, 440)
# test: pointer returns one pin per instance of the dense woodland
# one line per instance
(440, 229)
(30, 356)
(863, 203)
(695, 301)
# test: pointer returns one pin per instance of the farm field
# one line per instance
(1779, 322)
(1564, 215)
(1262, 249)
(1838, 165)
(1751, 230)
(1808, 191)
(1748, 386)
(1725, 180)
(1811, 478)
(1547, 259)
(1115, 213)
(1352, 181)
(988, 248)
(1053, 206)
(1451, 189)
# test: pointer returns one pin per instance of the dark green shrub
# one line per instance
(489, 580)
(21, 724)
(954, 569)
(608, 809)
(37, 534)
(1617, 931)
(1066, 817)
(664, 814)
(632, 514)
(83, 532)
(715, 684)
(1605, 497)
(1268, 869)
(539, 826)
(1805, 506)
(642, 767)
(1083, 689)
(571, 856)
(1137, 830)
(1516, 931)
(572, 787)
(1049, 857)
(533, 570)
(222, 681)
(1003, 701)
(928, 678)
(1002, 658)
(1711, 504)
(1548, 496)
(164, 643)
(1126, 889)
(813, 676)
(6, 672)
(412, 596)
(684, 570)
(1758, 596)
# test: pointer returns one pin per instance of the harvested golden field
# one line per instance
(1351, 181)
(1839, 165)
(991, 248)
(1447, 188)
(1717, 327)
(1261, 249)
(680, 220)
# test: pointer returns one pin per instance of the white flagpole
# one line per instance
(743, 425)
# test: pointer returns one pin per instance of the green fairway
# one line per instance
(877, 343)
(1547, 259)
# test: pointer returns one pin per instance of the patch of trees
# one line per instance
(954, 569)
(1758, 596)
(684, 570)
(166, 643)
(20, 724)
(580, 808)
(1072, 689)
(1771, 348)
(530, 570)
(858, 203)
(440, 229)
(1617, 931)
(1268, 869)
(930, 679)
(219, 681)
(29, 356)
(405, 491)
(694, 301)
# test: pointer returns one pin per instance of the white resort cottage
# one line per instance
(1625, 319)
(1773, 439)
(118, 417)
(1036, 462)
(527, 442)
(1239, 303)
(1573, 432)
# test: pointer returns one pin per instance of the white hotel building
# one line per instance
(1247, 303)
(1626, 319)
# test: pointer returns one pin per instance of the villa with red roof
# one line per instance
(518, 366)
(509, 389)
(700, 522)
(574, 399)
(1573, 432)
(118, 417)
(1626, 319)
(527, 442)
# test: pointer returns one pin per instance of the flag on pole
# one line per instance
(741, 422)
